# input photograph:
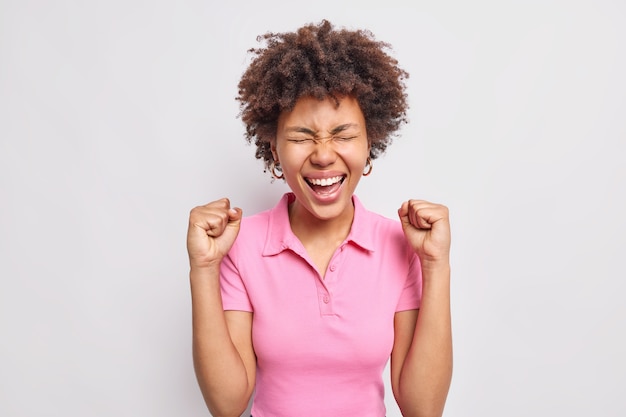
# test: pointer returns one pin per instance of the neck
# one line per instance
(309, 228)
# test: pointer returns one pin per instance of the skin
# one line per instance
(318, 140)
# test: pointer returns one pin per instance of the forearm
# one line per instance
(219, 367)
(427, 370)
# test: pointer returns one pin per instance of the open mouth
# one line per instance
(325, 185)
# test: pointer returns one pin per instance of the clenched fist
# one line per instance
(427, 228)
(212, 231)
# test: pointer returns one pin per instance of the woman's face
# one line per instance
(322, 150)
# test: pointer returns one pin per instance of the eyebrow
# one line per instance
(334, 131)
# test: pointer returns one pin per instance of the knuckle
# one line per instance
(195, 212)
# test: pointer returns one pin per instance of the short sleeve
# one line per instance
(411, 296)
(234, 293)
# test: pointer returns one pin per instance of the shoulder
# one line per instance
(253, 228)
(370, 220)
(264, 228)
(388, 232)
(377, 232)
(256, 221)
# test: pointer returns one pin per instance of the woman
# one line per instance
(305, 303)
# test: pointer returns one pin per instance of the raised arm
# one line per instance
(223, 356)
(421, 361)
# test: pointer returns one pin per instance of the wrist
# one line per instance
(436, 272)
(204, 268)
(435, 264)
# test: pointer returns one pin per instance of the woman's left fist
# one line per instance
(426, 226)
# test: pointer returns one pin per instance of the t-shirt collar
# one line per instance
(280, 236)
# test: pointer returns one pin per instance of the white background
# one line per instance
(117, 117)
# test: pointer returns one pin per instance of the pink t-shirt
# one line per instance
(321, 344)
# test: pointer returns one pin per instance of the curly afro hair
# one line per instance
(320, 61)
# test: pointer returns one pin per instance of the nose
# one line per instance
(324, 153)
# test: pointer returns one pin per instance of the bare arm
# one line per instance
(223, 356)
(421, 360)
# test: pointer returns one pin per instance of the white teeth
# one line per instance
(324, 182)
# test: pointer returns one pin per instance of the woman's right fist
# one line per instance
(212, 231)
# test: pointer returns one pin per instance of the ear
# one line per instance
(273, 149)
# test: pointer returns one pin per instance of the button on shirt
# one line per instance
(321, 343)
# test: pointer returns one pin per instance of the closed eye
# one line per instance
(320, 140)
(299, 140)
